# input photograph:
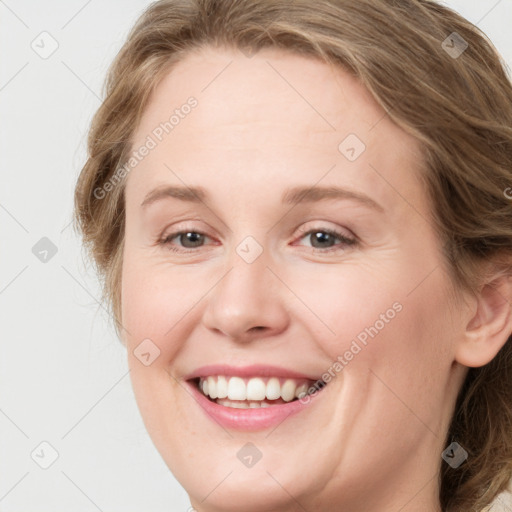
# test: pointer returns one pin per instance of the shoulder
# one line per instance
(502, 502)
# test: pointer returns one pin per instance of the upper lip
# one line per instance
(253, 370)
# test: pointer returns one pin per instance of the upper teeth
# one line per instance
(256, 388)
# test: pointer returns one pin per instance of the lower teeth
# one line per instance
(245, 404)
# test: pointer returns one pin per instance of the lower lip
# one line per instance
(249, 419)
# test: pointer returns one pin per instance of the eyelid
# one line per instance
(338, 230)
(184, 227)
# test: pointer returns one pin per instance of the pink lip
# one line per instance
(248, 419)
(255, 370)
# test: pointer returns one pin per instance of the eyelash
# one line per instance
(347, 241)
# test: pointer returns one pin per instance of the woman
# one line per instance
(300, 213)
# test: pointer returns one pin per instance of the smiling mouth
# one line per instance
(255, 392)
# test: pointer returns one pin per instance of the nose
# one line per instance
(248, 302)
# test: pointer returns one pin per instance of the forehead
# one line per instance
(275, 116)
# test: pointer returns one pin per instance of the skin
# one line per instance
(372, 439)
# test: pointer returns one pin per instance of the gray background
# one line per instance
(63, 374)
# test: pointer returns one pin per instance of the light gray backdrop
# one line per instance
(63, 376)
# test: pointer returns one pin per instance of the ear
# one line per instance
(489, 325)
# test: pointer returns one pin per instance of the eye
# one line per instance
(321, 239)
(324, 239)
(189, 240)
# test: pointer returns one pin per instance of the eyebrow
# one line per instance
(190, 194)
(291, 196)
(313, 194)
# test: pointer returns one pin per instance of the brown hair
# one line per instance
(457, 102)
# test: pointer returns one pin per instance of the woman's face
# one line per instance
(310, 256)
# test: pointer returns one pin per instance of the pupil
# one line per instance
(321, 237)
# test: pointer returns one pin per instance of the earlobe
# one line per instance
(490, 327)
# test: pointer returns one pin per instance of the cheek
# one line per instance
(410, 360)
(352, 302)
(154, 297)
(392, 321)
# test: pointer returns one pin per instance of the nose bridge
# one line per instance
(247, 299)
